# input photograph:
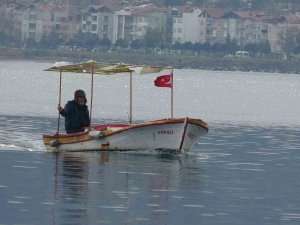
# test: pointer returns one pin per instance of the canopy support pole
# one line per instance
(59, 100)
(92, 93)
(172, 95)
(130, 96)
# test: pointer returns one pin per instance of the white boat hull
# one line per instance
(165, 135)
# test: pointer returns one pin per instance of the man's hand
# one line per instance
(59, 108)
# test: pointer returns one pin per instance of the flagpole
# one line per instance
(59, 100)
(172, 95)
(130, 96)
(92, 93)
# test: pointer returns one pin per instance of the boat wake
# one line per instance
(10, 147)
(35, 146)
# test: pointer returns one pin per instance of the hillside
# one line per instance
(266, 5)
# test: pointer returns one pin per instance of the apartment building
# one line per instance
(32, 23)
(98, 20)
(212, 26)
(11, 18)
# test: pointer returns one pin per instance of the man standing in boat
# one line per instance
(76, 113)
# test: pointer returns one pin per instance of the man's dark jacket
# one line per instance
(76, 117)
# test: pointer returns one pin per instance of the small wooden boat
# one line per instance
(164, 135)
(167, 135)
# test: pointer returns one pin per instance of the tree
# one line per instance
(197, 47)
(105, 42)
(230, 46)
(258, 48)
(260, 4)
(199, 2)
(174, 2)
(51, 41)
(265, 47)
(3, 38)
(136, 44)
(121, 43)
(177, 46)
(232, 4)
(91, 41)
(289, 41)
(31, 43)
(153, 38)
(158, 3)
(188, 46)
(85, 40)
(206, 47)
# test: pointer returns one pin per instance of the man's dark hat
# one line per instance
(78, 94)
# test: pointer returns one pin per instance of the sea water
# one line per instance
(245, 171)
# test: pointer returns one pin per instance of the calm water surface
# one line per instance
(246, 171)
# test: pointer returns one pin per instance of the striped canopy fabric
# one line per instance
(104, 68)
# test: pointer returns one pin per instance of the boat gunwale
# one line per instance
(197, 122)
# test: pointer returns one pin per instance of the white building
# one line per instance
(177, 35)
(122, 25)
(185, 25)
(212, 27)
(32, 23)
(141, 15)
(42, 19)
(246, 27)
(11, 18)
(279, 28)
(191, 26)
(98, 20)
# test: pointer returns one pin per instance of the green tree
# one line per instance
(232, 4)
(289, 41)
(105, 42)
(153, 38)
(188, 46)
(31, 43)
(85, 40)
(177, 46)
(91, 41)
(206, 47)
(173, 2)
(265, 47)
(122, 43)
(136, 44)
(51, 41)
(230, 46)
(258, 48)
(3, 38)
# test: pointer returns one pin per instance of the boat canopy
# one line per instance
(104, 68)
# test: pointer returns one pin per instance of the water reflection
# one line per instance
(238, 174)
(97, 186)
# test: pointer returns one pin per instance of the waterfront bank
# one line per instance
(179, 61)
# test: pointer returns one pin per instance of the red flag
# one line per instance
(164, 81)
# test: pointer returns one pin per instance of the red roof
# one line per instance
(142, 10)
(215, 13)
(292, 19)
(180, 9)
(49, 7)
(183, 9)
(112, 4)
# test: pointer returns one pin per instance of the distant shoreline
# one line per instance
(178, 61)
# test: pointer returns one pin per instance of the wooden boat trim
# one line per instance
(159, 122)
(197, 122)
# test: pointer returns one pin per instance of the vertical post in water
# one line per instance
(172, 94)
(92, 93)
(130, 96)
(59, 100)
